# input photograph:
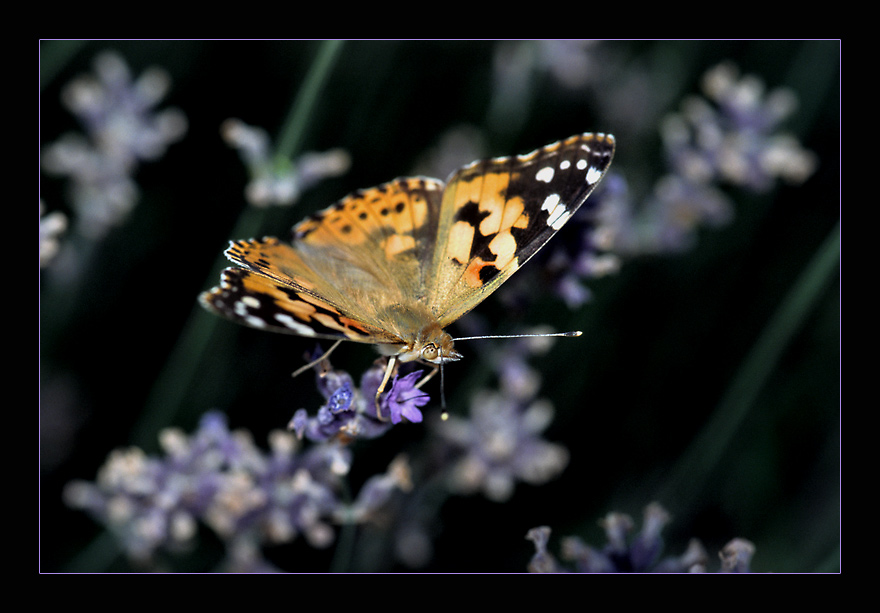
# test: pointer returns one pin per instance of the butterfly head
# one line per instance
(439, 354)
(433, 345)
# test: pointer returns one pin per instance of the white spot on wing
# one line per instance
(593, 175)
(550, 203)
(289, 322)
(557, 211)
(559, 220)
(254, 322)
(545, 174)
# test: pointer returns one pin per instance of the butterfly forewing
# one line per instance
(386, 234)
(498, 213)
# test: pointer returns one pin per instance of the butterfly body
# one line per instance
(394, 265)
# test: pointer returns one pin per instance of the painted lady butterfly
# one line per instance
(394, 265)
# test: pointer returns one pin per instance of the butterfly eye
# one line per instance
(430, 352)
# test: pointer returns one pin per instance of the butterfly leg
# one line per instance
(392, 365)
(323, 357)
(428, 377)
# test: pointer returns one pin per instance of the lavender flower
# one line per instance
(122, 130)
(587, 254)
(274, 178)
(377, 491)
(501, 442)
(403, 400)
(736, 556)
(641, 553)
(219, 478)
(742, 138)
(350, 412)
(730, 137)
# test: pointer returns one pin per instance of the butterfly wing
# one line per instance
(382, 238)
(353, 270)
(261, 301)
(496, 214)
(382, 264)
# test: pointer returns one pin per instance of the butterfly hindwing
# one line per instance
(359, 261)
(259, 301)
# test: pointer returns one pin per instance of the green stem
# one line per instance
(301, 111)
(698, 462)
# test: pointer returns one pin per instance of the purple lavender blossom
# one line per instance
(350, 412)
(274, 178)
(122, 129)
(376, 492)
(730, 137)
(404, 399)
(249, 498)
(736, 556)
(500, 443)
(339, 415)
(641, 553)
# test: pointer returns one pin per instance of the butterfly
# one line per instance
(396, 264)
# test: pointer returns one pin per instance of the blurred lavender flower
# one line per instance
(52, 226)
(122, 129)
(736, 556)
(247, 497)
(740, 139)
(501, 442)
(730, 137)
(377, 491)
(275, 179)
(641, 553)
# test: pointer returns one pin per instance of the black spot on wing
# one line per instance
(471, 214)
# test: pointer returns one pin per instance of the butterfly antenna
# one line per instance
(569, 333)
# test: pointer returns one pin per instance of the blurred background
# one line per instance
(707, 378)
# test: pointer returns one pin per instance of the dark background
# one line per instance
(663, 339)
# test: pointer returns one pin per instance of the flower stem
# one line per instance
(698, 462)
(301, 111)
